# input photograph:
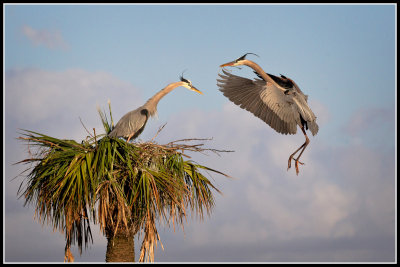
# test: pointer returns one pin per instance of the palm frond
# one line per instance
(120, 186)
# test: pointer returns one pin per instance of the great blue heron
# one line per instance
(278, 101)
(131, 125)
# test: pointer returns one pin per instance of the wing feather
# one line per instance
(132, 122)
(247, 94)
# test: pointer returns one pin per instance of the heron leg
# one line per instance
(129, 137)
(303, 147)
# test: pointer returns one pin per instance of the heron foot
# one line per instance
(296, 164)
(290, 162)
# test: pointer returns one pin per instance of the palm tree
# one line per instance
(125, 188)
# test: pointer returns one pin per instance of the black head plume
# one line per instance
(183, 79)
(244, 56)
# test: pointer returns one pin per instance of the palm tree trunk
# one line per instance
(120, 248)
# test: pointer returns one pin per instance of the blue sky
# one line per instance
(61, 61)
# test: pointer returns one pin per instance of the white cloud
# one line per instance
(366, 118)
(55, 100)
(321, 111)
(52, 39)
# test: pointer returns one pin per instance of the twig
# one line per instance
(159, 130)
(85, 127)
(190, 139)
(172, 146)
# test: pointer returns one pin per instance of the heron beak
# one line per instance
(196, 90)
(228, 64)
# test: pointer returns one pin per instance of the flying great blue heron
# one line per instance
(278, 101)
(131, 125)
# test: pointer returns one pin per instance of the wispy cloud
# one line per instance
(36, 99)
(372, 126)
(52, 39)
(366, 118)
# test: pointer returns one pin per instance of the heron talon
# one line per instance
(289, 163)
(297, 162)
(297, 166)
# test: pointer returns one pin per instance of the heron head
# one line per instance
(188, 84)
(237, 62)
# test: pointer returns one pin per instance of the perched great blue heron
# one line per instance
(278, 101)
(131, 125)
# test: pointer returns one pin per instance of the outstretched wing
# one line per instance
(265, 101)
(132, 122)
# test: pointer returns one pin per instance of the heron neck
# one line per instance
(151, 104)
(260, 71)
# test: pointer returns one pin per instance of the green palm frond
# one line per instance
(115, 184)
